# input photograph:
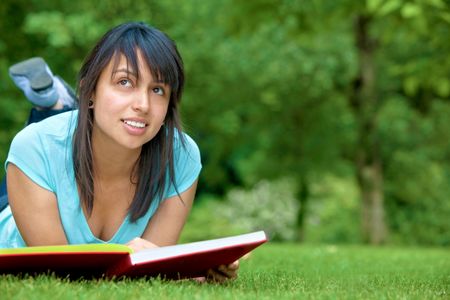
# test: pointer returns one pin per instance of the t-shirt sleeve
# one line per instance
(187, 165)
(28, 153)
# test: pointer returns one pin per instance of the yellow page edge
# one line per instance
(68, 249)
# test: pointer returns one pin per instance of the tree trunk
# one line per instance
(303, 196)
(368, 161)
(370, 179)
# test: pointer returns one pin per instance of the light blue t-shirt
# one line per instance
(43, 151)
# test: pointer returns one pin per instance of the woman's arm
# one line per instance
(165, 226)
(35, 210)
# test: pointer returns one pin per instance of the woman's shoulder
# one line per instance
(42, 150)
(59, 126)
(187, 164)
(185, 144)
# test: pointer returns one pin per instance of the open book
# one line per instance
(113, 260)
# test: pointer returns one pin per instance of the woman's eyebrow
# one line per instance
(132, 73)
(123, 70)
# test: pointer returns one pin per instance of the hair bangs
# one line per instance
(161, 62)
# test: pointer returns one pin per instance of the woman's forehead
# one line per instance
(132, 64)
(120, 63)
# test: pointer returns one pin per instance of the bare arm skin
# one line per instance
(165, 226)
(35, 210)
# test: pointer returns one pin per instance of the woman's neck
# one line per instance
(113, 163)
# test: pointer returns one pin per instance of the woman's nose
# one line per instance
(142, 102)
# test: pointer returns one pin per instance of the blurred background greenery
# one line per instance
(318, 120)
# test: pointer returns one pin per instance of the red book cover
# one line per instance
(187, 260)
(70, 260)
(112, 260)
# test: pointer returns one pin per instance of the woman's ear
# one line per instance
(91, 100)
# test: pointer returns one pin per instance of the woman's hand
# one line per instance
(222, 273)
(138, 244)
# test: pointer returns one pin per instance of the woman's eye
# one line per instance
(158, 91)
(125, 82)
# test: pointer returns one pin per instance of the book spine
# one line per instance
(120, 268)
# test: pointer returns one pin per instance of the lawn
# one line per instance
(275, 271)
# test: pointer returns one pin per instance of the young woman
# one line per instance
(116, 170)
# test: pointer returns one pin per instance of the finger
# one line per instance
(216, 277)
(234, 265)
(138, 244)
(225, 270)
(227, 273)
(133, 241)
(199, 279)
(134, 245)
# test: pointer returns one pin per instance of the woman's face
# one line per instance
(128, 112)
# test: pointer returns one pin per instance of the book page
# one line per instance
(177, 250)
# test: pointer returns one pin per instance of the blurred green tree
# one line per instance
(286, 88)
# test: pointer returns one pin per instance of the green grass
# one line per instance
(275, 271)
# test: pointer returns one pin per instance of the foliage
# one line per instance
(206, 221)
(271, 206)
(334, 211)
(275, 271)
(268, 206)
(267, 97)
(418, 182)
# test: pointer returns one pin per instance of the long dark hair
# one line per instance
(156, 159)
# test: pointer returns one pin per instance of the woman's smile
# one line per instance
(134, 127)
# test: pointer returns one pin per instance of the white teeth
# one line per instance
(134, 123)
